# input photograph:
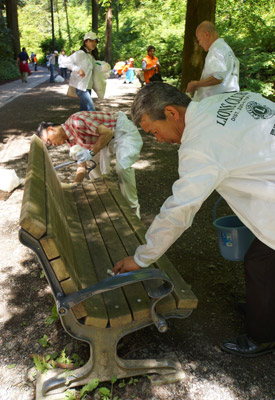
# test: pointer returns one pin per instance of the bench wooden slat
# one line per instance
(182, 291)
(70, 287)
(60, 269)
(116, 304)
(184, 297)
(134, 222)
(33, 211)
(49, 247)
(95, 306)
(136, 296)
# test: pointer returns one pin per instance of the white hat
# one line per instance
(55, 52)
(91, 36)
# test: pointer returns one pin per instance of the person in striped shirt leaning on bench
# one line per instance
(100, 133)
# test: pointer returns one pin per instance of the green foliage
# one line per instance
(105, 393)
(64, 359)
(46, 45)
(89, 387)
(248, 27)
(70, 395)
(44, 341)
(36, 27)
(133, 381)
(77, 360)
(41, 364)
(5, 40)
(8, 69)
(143, 25)
(122, 384)
(53, 317)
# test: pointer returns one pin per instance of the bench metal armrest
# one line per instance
(149, 276)
(156, 282)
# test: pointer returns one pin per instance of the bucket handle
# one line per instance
(215, 207)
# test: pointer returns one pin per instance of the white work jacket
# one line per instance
(75, 62)
(126, 145)
(228, 145)
(61, 59)
(221, 63)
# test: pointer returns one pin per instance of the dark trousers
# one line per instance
(52, 73)
(64, 73)
(259, 264)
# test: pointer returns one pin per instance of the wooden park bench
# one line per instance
(78, 232)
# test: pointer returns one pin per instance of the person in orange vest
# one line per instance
(35, 62)
(150, 64)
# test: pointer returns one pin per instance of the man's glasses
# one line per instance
(45, 138)
(43, 132)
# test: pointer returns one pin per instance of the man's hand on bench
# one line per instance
(127, 264)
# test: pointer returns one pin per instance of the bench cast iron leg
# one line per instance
(103, 364)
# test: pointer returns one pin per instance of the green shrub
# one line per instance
(8, 70)
(46, 45)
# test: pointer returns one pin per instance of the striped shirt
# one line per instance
(81, 127)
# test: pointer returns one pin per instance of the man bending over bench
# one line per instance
(100, 133)
(227, 144)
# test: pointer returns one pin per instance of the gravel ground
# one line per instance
(26, 301)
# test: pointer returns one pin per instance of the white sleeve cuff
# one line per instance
(141, 264)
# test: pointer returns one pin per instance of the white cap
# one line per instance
(55, 52)
(90, 35)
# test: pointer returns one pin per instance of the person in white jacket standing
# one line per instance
(63, 69)
(82, 64)
(221, 67)
(227, 144)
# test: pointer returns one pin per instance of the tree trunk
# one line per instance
(193, 55)
(68, 24)
(53, 36)
(95, 16)
(108, 37)
(116, 14)
(12, 23)
(58, 19)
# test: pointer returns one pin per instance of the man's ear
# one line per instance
(171, 112)
(51, 128)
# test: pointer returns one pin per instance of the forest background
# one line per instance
(246, 25)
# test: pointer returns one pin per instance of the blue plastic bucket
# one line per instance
(234, 237)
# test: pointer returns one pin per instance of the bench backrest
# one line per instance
(43, 213)
(50, 215)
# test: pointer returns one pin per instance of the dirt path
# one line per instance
(26, 301)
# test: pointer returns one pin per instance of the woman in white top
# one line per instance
(63, 70)
(81, 63)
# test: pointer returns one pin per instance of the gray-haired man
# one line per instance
(227, 143)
